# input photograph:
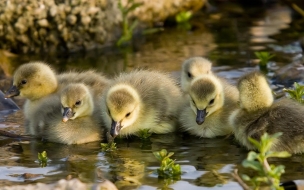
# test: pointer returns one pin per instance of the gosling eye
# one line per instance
(189, 75)
(23, 81)
(128, 114)
(78, 103)
(211, 101)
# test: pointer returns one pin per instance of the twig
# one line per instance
(236, 176)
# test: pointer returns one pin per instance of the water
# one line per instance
(229, 40)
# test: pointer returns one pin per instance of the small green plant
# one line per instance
(127, 28)
(264, 57)
(267, 174)
(108, 147)
(183, 16)
(42, 158)
(182, 20)
(144, 134)
(168, 169)
(297, 93)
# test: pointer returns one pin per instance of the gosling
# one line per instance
(139, 100)
(211, 100)
(258, 113)
(192, 68)
(72, 117)
(36, 80)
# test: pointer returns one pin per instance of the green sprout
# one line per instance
(168, 169)
(264, 57)
(108, 147)
(42, 158)
(267, 174)
(182, 18)
(144, 134)
(127, 32)
(297, 93)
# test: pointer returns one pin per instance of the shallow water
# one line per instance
(229, 40)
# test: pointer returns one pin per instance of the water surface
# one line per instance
(229, 39)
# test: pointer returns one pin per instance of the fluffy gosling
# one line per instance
(211, 100)
(141, 99)
(192, 68)
(78, 122)
(258, 113)
(35, 81)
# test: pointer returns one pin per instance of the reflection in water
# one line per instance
(275, 19)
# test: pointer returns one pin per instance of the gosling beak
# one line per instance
(67, 114)
(13, 91)
(200, 116)
(115, 128)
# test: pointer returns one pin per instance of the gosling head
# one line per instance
(33, 81)
(192, 68)
(255, 93)
(76, 101)
(123, 105)
(206, 96)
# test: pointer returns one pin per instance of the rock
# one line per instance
(48, 23)
(43, 23)
(293, 72)
(159, 10)
(71, 19)
(64, 185)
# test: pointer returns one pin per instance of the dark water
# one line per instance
(229, 39)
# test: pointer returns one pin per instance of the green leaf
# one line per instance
(252, 164)
(251, 156)
(133, 26)
(163, 153)
(183, 16)
(261, 179)
(158, 156)
(279, 170)
(170, 154)
(245, 177)
(283, 154)
(255, 142)
(133, 7)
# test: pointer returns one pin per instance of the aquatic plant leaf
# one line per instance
(264, 57)
(183, 16)
(251, 156)
(163, 153)
(283, 154)
(252, 164)
(261, 179)
(133, 7)
(170, 154)
(133, 26)
(279, 170)
(255, 142)
(107, 147)
(297, 93)
(245, 177)
(158, 156)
